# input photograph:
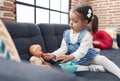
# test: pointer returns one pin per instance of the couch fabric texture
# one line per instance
(49, 36)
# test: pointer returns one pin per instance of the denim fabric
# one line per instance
(73, 47)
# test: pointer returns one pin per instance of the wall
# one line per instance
(77, 2)
(7, 10)
(108, 12)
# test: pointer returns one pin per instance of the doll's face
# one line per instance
(35, 50)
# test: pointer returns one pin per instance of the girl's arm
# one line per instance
(60, 51)
(85, 44)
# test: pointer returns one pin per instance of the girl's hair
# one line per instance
(87, 14)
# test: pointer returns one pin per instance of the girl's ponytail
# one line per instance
(94, 24)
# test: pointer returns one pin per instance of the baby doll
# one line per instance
(37, 57)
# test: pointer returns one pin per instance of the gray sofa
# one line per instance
(49, 36)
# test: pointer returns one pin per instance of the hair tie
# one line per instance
(89, 13)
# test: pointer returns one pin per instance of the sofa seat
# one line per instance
(112, 54)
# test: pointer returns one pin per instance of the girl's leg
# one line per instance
(90, 67)
(96, 68)
(82, 68)
(107, 64)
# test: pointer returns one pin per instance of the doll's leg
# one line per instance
(107, 64)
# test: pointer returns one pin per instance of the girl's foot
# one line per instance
(96, 68)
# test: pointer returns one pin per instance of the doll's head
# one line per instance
(35, 50)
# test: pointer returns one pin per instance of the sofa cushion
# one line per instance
(15, 71)
(24, 35)
(52, 34)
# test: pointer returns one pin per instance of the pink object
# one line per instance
(104, 39)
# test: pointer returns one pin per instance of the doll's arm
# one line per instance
(44, 62)
(42, 59)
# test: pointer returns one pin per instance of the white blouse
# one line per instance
(85, 44)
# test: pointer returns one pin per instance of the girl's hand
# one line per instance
(49, 56)
(65, 58)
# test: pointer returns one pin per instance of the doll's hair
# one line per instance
(34, 48)
(87, 14)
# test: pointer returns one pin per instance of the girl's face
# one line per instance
(76, 22)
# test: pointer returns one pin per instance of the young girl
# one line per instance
(78, 43)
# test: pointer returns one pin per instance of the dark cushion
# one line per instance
(52, 34)
(25, 34)
(27, 72)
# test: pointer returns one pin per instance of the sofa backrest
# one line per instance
(49, 36)
(52, 35)
(24, 35)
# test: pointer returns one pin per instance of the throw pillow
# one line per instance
(113, 33)
(3, 50)
(104, 40)
(7, 47)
